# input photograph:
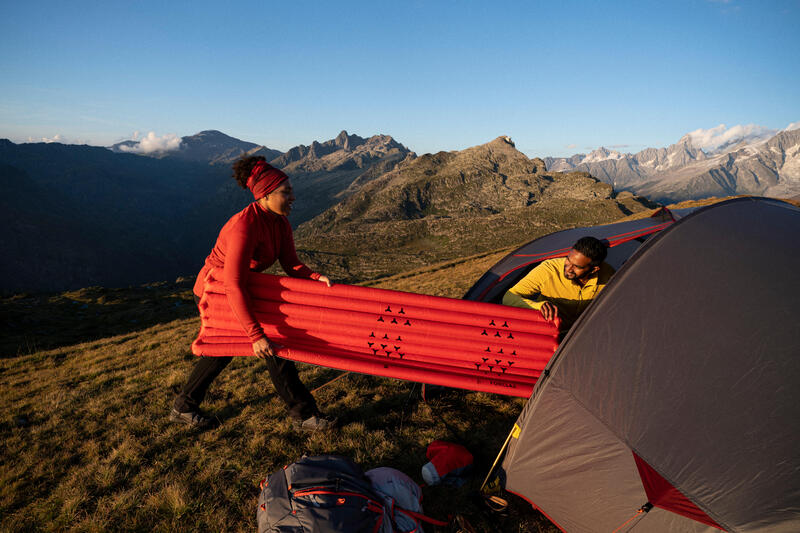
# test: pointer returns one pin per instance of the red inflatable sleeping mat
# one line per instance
(428, 339)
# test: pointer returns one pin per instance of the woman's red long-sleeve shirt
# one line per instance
(251, 240)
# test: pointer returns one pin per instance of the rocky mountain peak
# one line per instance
(210, 135)
(684, 144)
(503, 140)
(334, 168)
(347, 142)
(785, 141)
(499, 155)
(682, 153)
(314, 151)
(503, 143)
(685, 140)
(213, 139)
(343, 149)
(602, 154)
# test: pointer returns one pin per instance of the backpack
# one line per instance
(402, 496)
(326, 494)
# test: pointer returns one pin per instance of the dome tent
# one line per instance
(673, 402)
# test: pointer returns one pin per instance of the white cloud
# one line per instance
(571, 146)
(57, 138)
(153, 143)
(713, 138)
(792, 126)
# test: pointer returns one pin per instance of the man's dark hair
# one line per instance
(592, 248)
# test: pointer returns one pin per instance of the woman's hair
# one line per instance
(243, 167)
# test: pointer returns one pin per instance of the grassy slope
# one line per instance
(87, 445)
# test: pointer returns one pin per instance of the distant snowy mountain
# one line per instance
(764, 168)
(721, 139)
(715, 162)
(627, 171)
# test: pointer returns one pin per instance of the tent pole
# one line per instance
(508, 439)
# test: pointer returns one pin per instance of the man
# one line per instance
(564, 287)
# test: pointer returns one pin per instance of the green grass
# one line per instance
(87, 446)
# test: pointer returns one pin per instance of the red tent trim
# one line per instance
(661, 493)
(536, 507)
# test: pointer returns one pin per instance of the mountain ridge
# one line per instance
(367, 207)
(129, 218)
(320, 171)
(333, 169)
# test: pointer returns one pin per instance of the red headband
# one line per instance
(264, 179)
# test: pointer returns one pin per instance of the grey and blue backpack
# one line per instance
(331, 494)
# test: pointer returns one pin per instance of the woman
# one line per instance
(252, 240)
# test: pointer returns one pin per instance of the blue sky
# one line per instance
(558, 77)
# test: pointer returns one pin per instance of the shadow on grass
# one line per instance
(30, 323)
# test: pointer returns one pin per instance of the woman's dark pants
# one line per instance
(299, 401)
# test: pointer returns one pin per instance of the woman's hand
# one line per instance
(264, 348)
(325, 279)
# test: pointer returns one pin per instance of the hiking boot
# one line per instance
(195, 419)
(314, 423)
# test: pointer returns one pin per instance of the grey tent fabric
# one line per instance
(689, 359)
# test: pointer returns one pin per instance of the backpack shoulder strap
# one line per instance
(421, 517)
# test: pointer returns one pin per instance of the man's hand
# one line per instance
(549, 311)
(263, 348)
(325, 279)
